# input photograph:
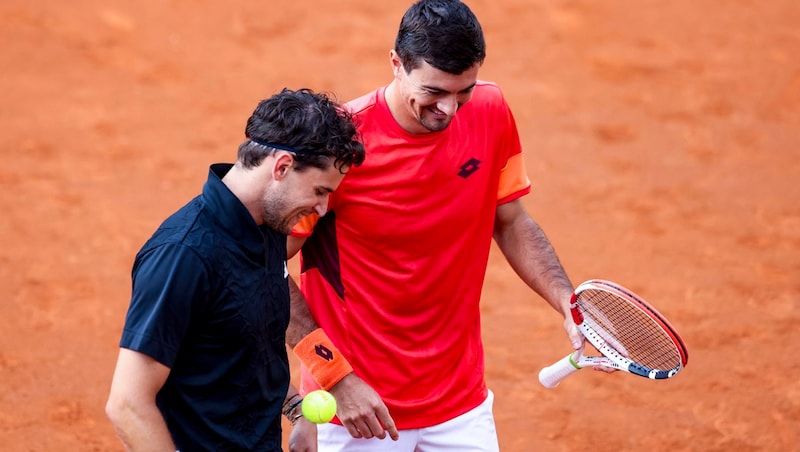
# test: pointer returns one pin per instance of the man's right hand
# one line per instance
(361, 410)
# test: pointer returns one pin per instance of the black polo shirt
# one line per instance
(211, 301)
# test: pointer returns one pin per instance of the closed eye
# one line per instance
(433, 91)
(323, 191)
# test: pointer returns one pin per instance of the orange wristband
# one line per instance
(324, 361)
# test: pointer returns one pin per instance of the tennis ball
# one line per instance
(319, 406)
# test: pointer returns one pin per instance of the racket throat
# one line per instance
(573, 359)
(576, 357)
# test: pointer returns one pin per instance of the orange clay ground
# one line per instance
(662, 139)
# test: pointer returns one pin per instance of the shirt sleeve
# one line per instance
(514, 181)
(170, 286)
(305, 227)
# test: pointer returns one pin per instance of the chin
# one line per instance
(436, 126)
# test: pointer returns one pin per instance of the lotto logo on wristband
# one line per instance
(328, 370)
(323, 352)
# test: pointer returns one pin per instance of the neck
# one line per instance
(399, 112)
(241, 183)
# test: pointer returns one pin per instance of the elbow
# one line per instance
(112, 409)
(115, 408)
(115, 412)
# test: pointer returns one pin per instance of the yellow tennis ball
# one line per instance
(319, 406)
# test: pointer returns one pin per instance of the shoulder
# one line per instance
(489, 95)
(168, 253)
(363, 104)
(487, 101)
(187, 228)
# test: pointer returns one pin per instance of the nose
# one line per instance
(448, 105)
(322, 207)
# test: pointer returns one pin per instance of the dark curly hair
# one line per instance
(444, 33)
(313, 126)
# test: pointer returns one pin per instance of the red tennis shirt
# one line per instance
(394, 272)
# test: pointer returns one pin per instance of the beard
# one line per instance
(273, 206)
(432, 123)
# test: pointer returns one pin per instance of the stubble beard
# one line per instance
(432, 124)
(273, 207)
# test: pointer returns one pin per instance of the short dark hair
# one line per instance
(312, 125)
(443, 33)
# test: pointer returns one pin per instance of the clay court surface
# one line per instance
(662, 138)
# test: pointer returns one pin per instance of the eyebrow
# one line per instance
(436, 88)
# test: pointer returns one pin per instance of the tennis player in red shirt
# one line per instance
(392, 275)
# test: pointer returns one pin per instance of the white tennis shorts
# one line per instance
(473, 431)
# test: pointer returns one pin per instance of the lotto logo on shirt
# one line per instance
(470, 167)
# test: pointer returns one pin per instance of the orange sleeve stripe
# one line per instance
(514, 180)
(305, 226)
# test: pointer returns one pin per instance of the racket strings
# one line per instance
(629, 330)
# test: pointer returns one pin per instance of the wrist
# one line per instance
(323, 360)
(292, 408)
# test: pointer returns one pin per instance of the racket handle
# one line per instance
(552, 375)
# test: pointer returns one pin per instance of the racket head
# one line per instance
(628, 330)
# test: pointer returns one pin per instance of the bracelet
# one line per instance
(324, 361)
(289, 400)
(295, 418)
(291, 408)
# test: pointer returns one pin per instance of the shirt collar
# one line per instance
(229, 212)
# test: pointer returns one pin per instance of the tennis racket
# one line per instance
(630, 334)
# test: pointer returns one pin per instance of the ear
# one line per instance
(283, 164)
(397, 65)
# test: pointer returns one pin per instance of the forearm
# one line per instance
(301, 322)
(531, 255)
(312, 346)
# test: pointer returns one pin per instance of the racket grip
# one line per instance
(552, 375)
